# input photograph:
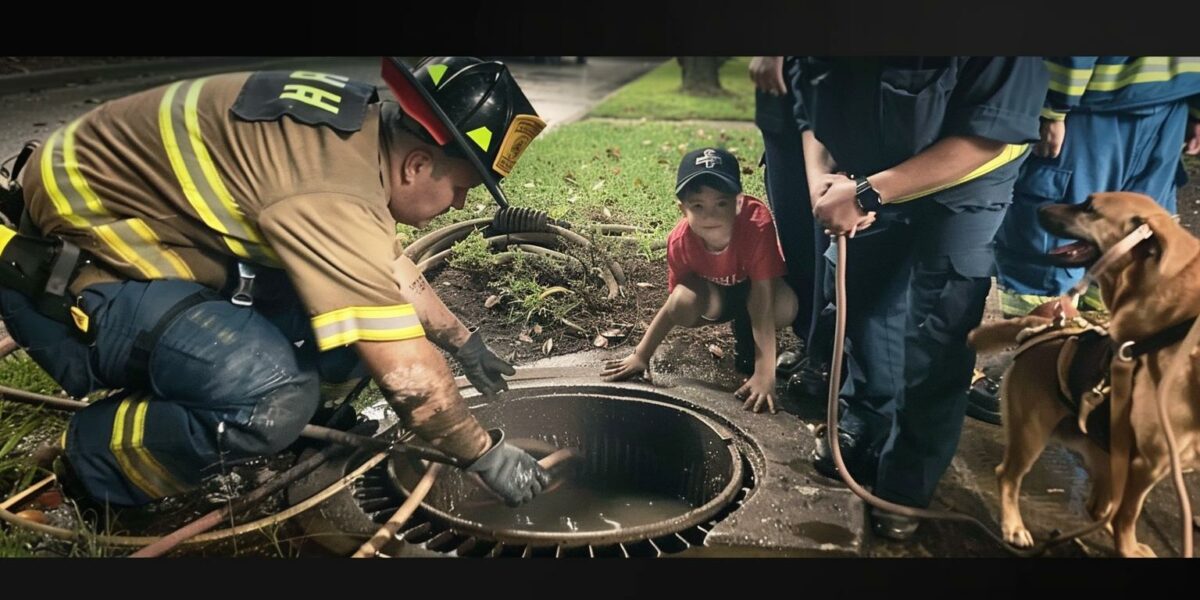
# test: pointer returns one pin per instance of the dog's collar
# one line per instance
(1133, 349)
(1121, 248)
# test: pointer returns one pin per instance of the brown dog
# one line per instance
(1151, 288)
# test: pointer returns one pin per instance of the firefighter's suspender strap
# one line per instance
(139, 355)
(62, 269)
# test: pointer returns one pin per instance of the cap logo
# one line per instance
(709, 160)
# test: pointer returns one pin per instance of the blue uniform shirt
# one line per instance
(874, 113)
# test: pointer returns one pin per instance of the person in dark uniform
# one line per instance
(788, 196)
(914, 159)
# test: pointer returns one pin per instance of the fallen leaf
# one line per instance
(537, 329)
(491, 301)
(617, 171)
(607, 213)
(733, 150)
(716, 351)
(598, 185)
(644, 284)
(548, 346)
(600, 341)
(646, 142)
(572, 199)
(529, 185)
(523, 337)
(613, 333)
(570, 180)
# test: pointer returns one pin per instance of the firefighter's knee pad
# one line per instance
(275, 419)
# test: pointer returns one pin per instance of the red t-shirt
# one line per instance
(753, 251)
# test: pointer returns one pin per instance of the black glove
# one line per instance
(510, 471)
(482, 367)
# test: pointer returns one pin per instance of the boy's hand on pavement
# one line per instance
(759, 391)
(622, 369)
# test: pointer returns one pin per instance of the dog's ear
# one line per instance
(1176, 246)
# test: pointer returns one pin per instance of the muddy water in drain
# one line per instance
(573, 508)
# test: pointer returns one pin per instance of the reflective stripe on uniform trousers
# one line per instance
(179, 125)
(369, 323)
(133, 458)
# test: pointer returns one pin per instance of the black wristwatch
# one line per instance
(866, 197)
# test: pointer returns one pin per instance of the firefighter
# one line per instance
(225, 245)
(933, 145)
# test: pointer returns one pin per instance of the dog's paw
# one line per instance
(1138, 551)
(1018, 536)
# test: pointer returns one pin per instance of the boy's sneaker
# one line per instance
(743, 344)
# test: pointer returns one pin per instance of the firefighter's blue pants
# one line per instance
(226, 383)
(1132, 151)
(917, 281)
(800, 236)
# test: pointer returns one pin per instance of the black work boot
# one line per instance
(860, 458)
(790, 361)
(743, 343)
(809, 380)
(893, 526)
(983, 399)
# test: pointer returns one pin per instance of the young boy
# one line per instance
(723, 263)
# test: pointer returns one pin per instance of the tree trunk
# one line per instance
(700, 75)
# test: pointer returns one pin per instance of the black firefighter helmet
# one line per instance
(471, 108)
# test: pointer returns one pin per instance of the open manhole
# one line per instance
(653, 477)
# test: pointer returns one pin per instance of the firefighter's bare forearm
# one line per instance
(441, 326)
(418, 385)
(946, 161)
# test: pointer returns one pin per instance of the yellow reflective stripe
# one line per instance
(1066, 80)
(1053, 115)
(1144, 71)
(124, 460)
(1109, 71)
(369, 323)
(61, 204)
(167, 130)
(199, 179)
(1010, 153)
(209, 168)
(76, 178)
(137, 245)
(6, 236)
(153, 468)
(143, 231)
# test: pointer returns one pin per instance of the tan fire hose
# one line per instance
(835, 374)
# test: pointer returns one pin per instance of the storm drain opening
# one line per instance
(651, 478)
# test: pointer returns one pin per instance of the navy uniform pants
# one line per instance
(222, 383)
(917, 282)
(800, 237)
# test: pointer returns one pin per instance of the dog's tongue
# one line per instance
(1075, 254)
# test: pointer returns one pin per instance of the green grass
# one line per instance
(656, 95)
(610, 172)
(19, 371)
